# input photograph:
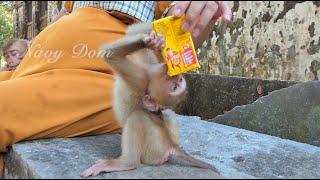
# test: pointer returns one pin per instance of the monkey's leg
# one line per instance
(170, 140)
(165, 157)
(176, 154)
(131, 151)
(123, 163)
(170, 135)
(180, 157)
(107, 166)
(173, 153)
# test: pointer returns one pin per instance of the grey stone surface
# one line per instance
(290, 113)
(236, 153)
(212, 95)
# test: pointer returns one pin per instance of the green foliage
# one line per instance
(2, 62)
(6, 21)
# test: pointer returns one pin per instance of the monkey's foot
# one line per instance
(105, 166)
(151, 40)
(166, 157)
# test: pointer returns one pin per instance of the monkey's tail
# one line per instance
(183, 158)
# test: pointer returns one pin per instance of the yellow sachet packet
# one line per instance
(178, 52)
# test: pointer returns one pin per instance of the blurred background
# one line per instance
(6, 24)
(275, 40)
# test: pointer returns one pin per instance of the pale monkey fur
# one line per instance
(147, 138)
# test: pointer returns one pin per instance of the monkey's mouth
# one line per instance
(179, 87)
(11, 67)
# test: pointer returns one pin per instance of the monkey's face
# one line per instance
(14, 55)
(167, 90)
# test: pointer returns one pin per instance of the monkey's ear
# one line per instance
(149, 103)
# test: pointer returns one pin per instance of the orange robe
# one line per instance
(62, 88)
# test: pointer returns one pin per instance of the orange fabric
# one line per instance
(125, 18)
(67, 97)
(68, 5)
(5, 75)
(161, 6)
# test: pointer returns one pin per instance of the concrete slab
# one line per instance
(236, 153)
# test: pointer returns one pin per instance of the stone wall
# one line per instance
(275, 40)
(266, 39)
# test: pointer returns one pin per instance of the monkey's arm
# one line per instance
(170, 120)
(116, 55)
(132, 69)
(117, 50)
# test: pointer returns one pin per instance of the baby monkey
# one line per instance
(143, 96)
(13, 52)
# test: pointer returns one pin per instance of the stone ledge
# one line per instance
(235, 152)
(212, 95)
(291, 113)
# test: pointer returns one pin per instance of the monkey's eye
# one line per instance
(180, 79)
(13, 52)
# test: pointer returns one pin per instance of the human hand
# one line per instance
(199, 14)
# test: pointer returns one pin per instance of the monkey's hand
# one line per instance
(168, 114)
(153, 41)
